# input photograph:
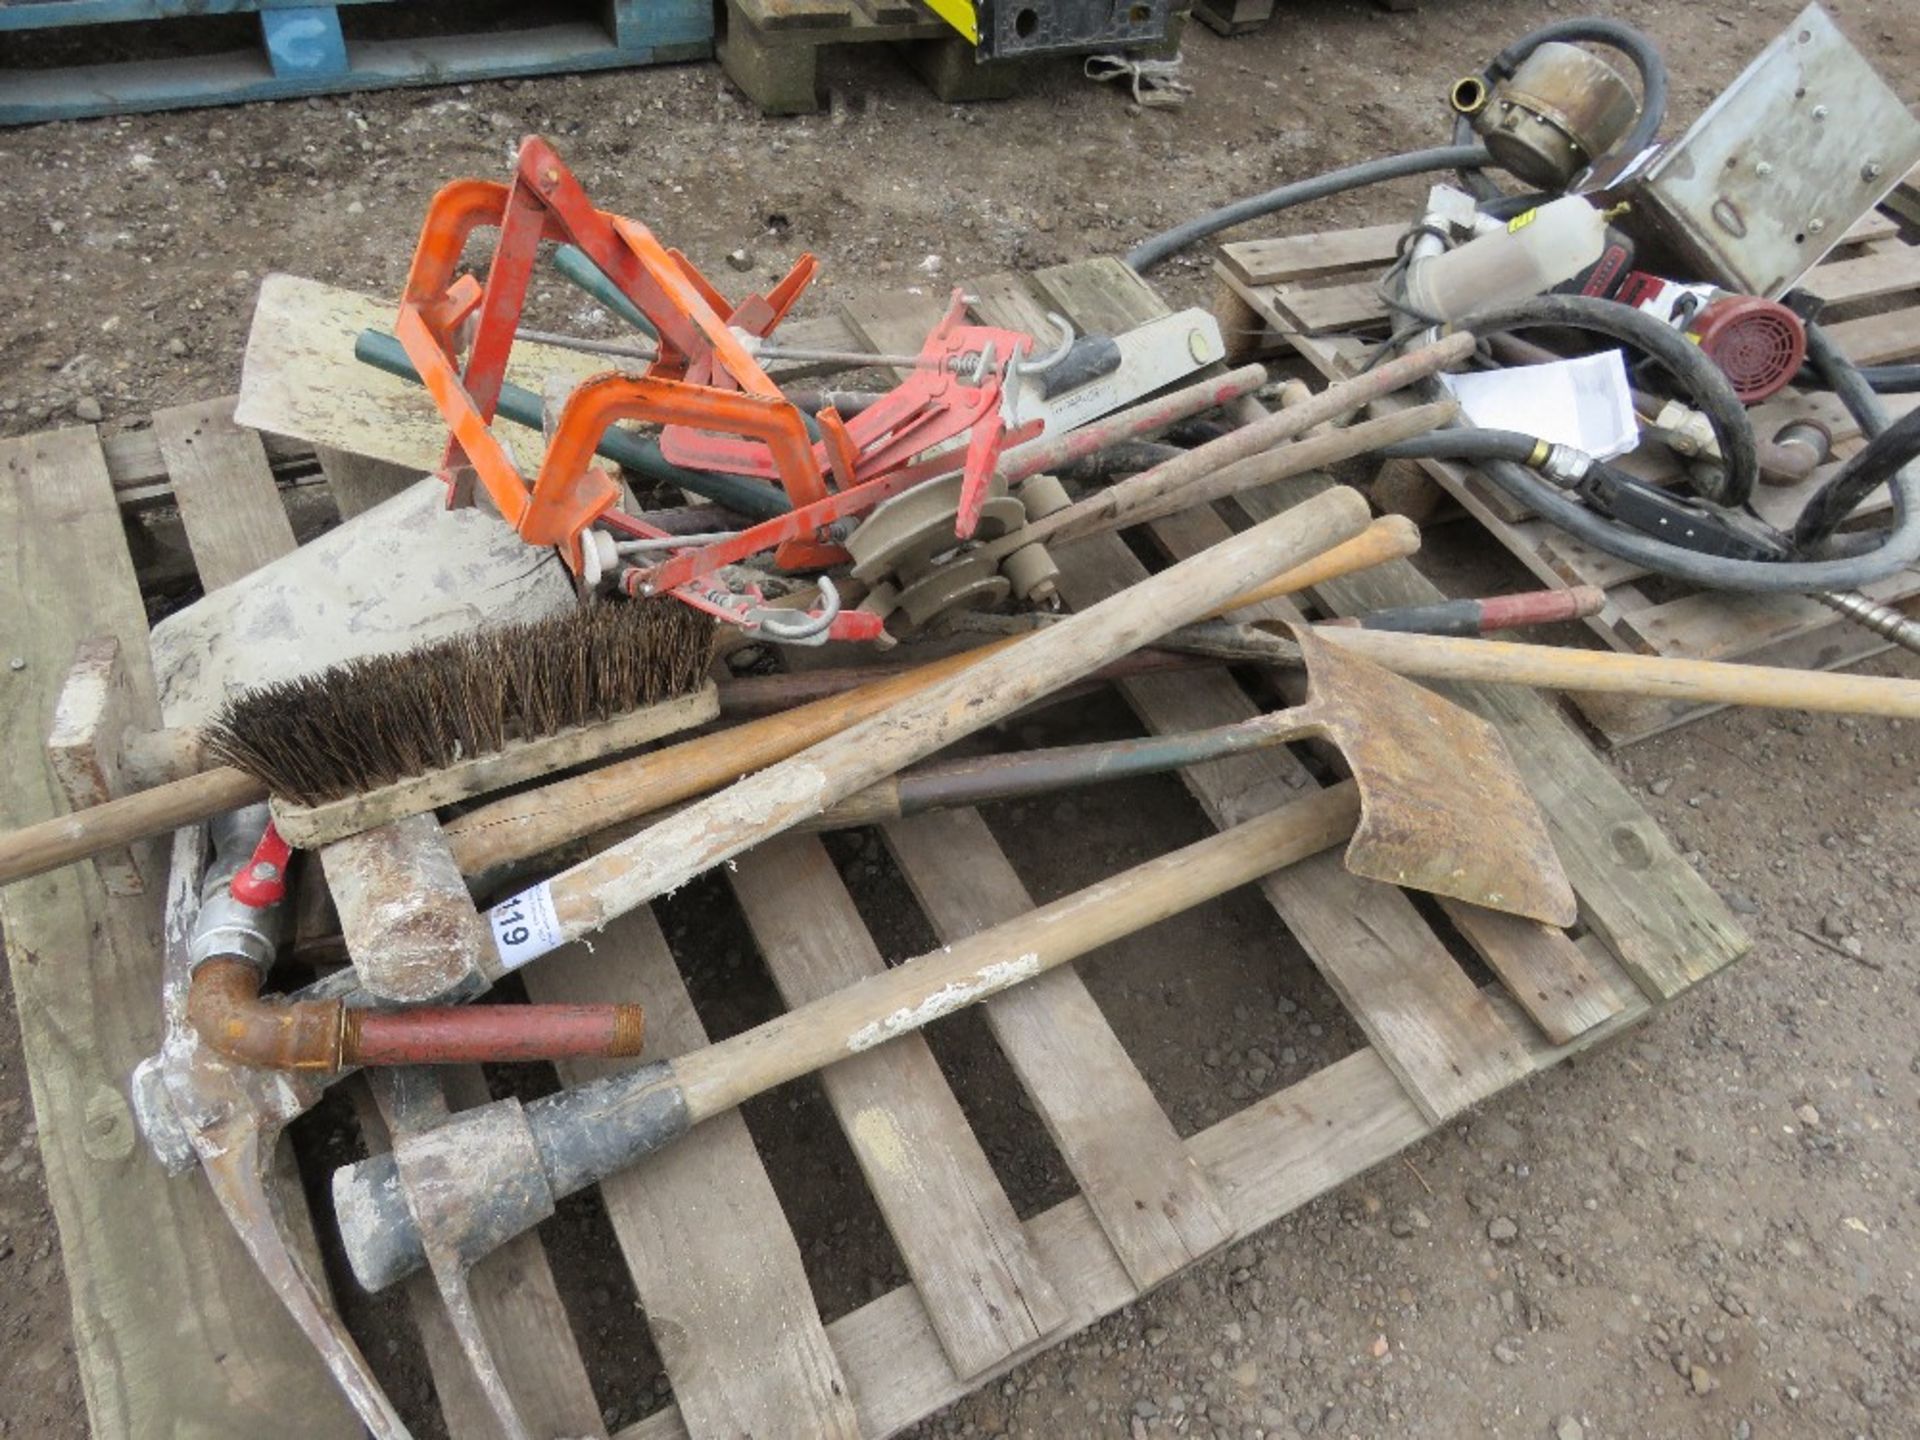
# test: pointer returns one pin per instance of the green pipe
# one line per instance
(572, 262)
(752, 498)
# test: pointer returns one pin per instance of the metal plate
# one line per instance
(1768, 179)
(1037, 27)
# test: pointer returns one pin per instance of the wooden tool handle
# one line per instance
(1391, 537)
(580, 900)
(1707, 681)
(908, 996)
(67, 838)
(536, 820)
(1142, 497)
(1241, 457)
(604, 803)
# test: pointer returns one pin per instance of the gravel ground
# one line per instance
(1705, 1229)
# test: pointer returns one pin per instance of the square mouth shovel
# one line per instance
(1442, 808)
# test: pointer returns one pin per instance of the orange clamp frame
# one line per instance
(731, 393)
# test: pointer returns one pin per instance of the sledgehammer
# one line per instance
(1439, 808)
(490, 1173)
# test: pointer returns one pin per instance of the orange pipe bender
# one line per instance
(731, 393)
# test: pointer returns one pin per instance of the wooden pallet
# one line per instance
(178, 1334)
(305, 49)
(1310, 294)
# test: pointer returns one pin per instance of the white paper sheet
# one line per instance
(1585, 403)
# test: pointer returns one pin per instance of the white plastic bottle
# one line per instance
(1531, 254)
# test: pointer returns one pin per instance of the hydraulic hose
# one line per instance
(1706, 385)
(1890, 451)
(1892, 379)
(1150, 252)
(1497, 453)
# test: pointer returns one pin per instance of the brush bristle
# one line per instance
(357, 726)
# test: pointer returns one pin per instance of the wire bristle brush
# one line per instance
(374, 740)
(374, 721)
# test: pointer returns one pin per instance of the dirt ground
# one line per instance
(1706, 1229)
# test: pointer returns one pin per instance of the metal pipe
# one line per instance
(1885, 621)
(226, 1008)
(627, 350)
(234, 945)
(754, 498)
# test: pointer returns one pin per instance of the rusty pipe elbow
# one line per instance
(226, 1010)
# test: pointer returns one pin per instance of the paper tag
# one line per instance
(525, 926)
(1586, 403)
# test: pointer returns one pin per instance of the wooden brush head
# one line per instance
(354, 727)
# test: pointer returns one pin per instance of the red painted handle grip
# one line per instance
(262, 881)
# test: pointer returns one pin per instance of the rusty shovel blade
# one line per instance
(1441, 806)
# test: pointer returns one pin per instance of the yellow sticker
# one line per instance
(1522, 220)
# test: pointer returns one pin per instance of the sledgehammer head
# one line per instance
(1441, 807)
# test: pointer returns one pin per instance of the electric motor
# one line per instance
(1560, 109)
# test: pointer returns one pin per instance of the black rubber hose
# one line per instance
(1892, 379)
(1890, 447)
(1839, 375)
(1707, 387)
(1474, 181)
(1464, 443)
(1150, 252)
(1899, 549)
(1498, 454)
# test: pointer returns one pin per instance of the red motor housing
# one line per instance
(1758, 344)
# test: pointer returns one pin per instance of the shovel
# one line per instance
(1442, 807)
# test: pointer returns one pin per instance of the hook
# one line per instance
(789, 627)
(1064, 329)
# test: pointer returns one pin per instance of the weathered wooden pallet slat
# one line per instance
(1157, 1208)
(1158, 1211)
(714, 1262)
(957, 1232)
(735, 1323)
(228, 501)
(1269, 1159)
(162, 1323)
